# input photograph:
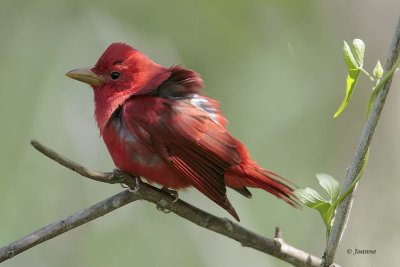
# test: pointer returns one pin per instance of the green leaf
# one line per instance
(309, 197)
(327, 209)
(312, 199)
(326, 213)
(331, 186)
(358, 50)
(349, 57)
(378, 70)
(353, 57)
(351, 80)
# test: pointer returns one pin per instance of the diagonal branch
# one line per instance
(275, 247)
(343, 210)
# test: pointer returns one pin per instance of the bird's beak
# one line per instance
(85, 75)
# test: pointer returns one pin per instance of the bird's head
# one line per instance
(120, 72)
(120, 68)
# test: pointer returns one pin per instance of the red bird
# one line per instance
(157, 124)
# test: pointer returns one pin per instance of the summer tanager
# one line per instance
(157, 124)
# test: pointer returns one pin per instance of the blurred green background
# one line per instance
(277, 69)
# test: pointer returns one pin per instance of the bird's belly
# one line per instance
(133, 156)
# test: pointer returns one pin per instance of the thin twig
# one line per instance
(275, 247)
(109, 178)
(343, 210)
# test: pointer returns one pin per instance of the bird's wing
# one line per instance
(187, 136)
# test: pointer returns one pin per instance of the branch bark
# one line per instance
(276, 247)
(343, 210)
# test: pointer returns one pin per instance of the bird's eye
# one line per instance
(115, 75)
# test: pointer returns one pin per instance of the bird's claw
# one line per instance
(161, 206)
(134, 188)
(124, 186)
(173, 193)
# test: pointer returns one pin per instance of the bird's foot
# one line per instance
(133, 186)
(138, 182)
(173, 193)
(161, 206)
(132, 183)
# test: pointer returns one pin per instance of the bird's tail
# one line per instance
(249, 174)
